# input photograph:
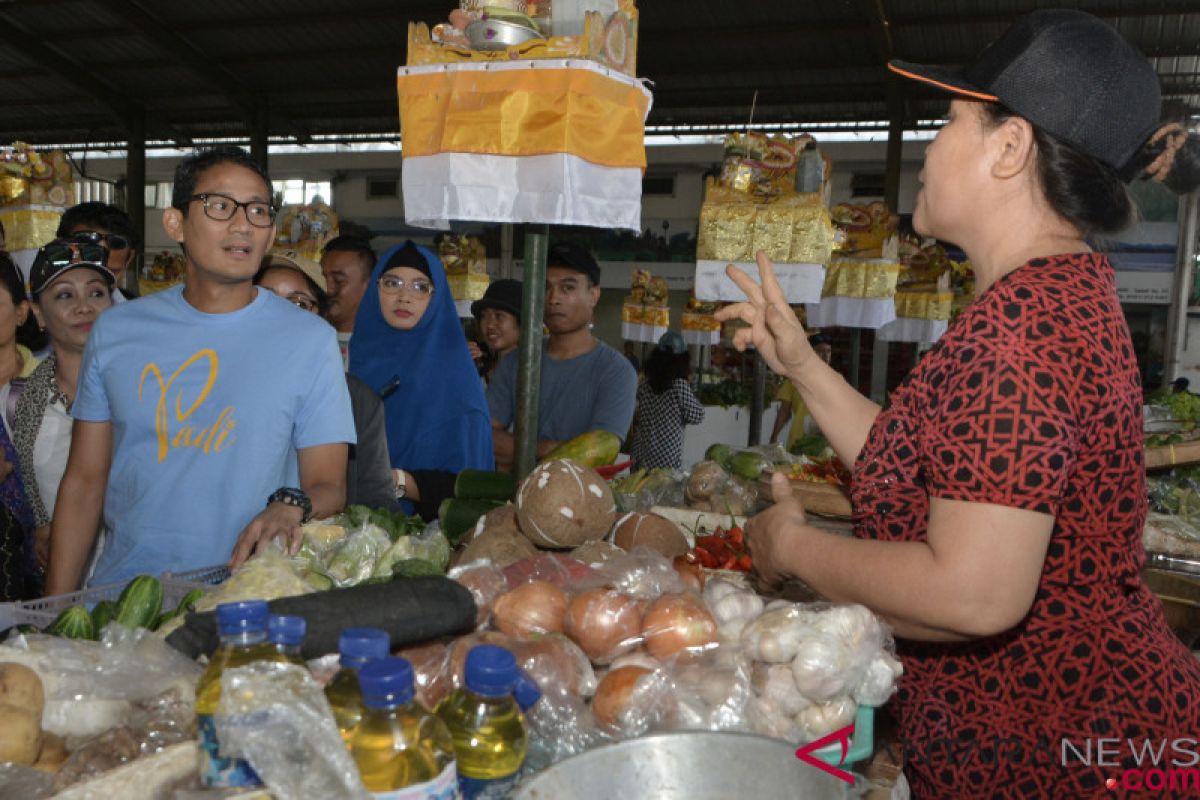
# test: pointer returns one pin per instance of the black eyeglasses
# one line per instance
(114, 241)
(222, 207)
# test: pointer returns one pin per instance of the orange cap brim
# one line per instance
(946, 87)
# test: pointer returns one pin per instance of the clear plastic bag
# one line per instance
(643, 573)
(353, 559)
(559, 726)
(429, 545)
(485, 582)
(91, 687)
(275, 716)
(711, 693)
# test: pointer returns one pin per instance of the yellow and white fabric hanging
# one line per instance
(557, 141)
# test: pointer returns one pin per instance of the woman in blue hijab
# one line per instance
(409, 347)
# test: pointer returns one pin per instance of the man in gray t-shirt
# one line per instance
(586, 385)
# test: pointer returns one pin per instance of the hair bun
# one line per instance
(1173, 158)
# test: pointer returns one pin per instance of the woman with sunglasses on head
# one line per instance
(111, 227)
(368, 473)
(408, 346)
(19, 573)
(1000, 497)
(70, 286)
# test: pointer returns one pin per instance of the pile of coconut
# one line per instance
(565, 506)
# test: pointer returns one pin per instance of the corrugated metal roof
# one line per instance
(75, 70)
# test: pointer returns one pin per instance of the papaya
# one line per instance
(140, 602)
(748, 464)
(591, 449)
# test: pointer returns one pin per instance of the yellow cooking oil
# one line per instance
(398, 744)
(486, 725)
(357, 647)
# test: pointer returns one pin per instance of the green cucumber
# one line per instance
(164, 618)
(140, 602)
(188, 603)
(103, 613)
(74, 623)
(478, 484)
(460, 515)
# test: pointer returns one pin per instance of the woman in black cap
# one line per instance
(498, 322)
(665, 404)
(1000, 498)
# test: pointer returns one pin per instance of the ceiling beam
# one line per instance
(183, 51)
(28, 45)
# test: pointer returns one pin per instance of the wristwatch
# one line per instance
(290, 496)
(400, 484)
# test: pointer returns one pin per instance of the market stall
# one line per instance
(35, 189)
(631, 629)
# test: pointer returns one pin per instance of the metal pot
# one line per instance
(495, 34)
(697, 765)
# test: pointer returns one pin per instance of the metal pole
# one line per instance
(854, 357)
(506, 250)
(135, 188)
(1181, 290)
(895, 145)
(756, 400)
(529, 351)
(879, 367)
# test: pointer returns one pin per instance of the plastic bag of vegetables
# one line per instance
(352, 561)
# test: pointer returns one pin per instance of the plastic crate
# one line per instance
(209, 576)
(862, 743)
(42, 612)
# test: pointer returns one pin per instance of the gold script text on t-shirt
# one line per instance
(211, 438)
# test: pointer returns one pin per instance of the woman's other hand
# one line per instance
(774, 535)
(773, 328)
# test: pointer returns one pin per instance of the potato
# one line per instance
(54, 753)
(21, 687)
(20, 735)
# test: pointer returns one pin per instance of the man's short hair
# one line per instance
(100, 215)
(188, 173)
(354, 244)
(573, 256)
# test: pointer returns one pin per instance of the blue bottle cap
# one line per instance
(243, 617)
(491, 671)
(386, 682)
(287, 631)
(527, 692)
(361, 644)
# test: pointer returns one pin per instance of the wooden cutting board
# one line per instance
(819, 498)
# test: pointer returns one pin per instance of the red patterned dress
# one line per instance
(1032, 400)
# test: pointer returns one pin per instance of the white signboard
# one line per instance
(1144, 287)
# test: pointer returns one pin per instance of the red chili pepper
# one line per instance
(736, 535)
(745, 564)
(705, 558)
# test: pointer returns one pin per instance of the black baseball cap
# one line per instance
(504, 294)
(576, 257)
(62, 255)
(1068, 73)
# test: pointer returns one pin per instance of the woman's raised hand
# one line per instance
(774, 330)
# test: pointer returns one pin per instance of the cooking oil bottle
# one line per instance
(357, 647)
(486, 725)
(403, 752)
(242, 628)
(287, 635)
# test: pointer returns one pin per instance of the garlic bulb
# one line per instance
(820, 668)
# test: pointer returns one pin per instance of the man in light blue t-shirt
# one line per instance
(586, 385)
(209, 419)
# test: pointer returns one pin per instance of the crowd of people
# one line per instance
(197, 424)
